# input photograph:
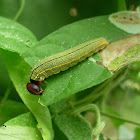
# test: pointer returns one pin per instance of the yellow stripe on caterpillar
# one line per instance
(62, 61)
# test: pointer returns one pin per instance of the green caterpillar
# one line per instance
(62, 61)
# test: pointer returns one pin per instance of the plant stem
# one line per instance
(20, 10)
(4, 99)
(103, 88)
(119, 118)
(91, 107)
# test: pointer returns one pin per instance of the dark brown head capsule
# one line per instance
(34, 87)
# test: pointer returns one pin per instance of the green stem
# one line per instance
(7, 93)
(103, 88)
(20, 10)
(4, 99)
(102, 102)
(119, 118)
(91, 107)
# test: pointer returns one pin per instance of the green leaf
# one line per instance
(58, 133)
(129, 21)
(129, 56)
(21, 127)
(72, 35)
(84, 75)
(19, 71)
(121, 52)
(15, 37)
(19, 74)
(74, 127)
(66, 83)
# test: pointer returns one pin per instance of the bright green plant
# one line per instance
(81, 102)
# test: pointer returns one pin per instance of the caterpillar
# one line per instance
(62, 61)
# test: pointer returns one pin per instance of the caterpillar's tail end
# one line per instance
(34, 88)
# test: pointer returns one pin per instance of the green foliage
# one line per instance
(88, 101)
(17, 129)
(73, 127)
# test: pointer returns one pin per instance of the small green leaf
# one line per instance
(121, 52)
(74, 127)
(15, 37)
(21, 127)
(132, 54)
